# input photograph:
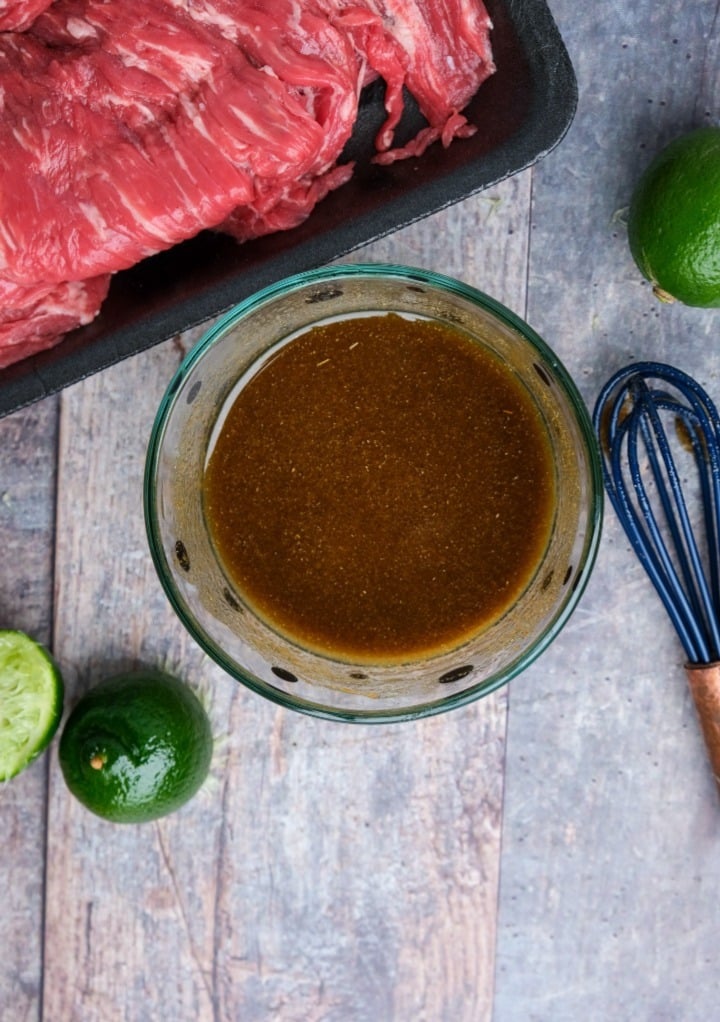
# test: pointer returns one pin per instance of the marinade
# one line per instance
(381, 489)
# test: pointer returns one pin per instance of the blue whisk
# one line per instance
(655, 424)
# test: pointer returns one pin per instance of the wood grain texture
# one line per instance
(611, 850)
(27, 516)
(329, 872)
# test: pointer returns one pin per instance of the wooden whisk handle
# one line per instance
(704, 681)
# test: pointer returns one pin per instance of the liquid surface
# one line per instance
(380, 489)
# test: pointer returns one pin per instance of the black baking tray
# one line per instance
(522, 112)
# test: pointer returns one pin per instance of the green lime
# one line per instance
(31, 701)
(674, 220)
(136, 747)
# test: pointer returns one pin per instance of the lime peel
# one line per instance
(136, 747)
(674, 220)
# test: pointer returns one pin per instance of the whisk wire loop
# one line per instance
(645, 487)
(707, 457)
(698, 607)
(647, 539)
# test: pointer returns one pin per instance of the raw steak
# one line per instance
(146, 131)
(438, 49)
(33, 317)
(127, 128)
(15, 15)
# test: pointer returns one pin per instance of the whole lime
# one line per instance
(674, 220)
(136, 747)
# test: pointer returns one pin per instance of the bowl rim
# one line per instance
(374, 270)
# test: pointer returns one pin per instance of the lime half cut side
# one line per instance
(31, 701)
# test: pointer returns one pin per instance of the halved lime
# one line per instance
(31, 701)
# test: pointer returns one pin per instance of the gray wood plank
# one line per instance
(327, 871)
(27, 503)
(611, 857)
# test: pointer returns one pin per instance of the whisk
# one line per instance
(659, 436)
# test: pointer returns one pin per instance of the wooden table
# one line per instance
(549, 854)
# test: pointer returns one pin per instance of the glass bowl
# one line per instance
(215, 613)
